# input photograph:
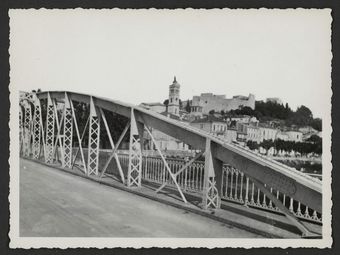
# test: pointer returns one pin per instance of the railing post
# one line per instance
(94, 138)
(134, 176)
(68, 134)
(246, 201)
(212, 179)
(49, 130)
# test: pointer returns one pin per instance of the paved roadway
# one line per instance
(54, 203)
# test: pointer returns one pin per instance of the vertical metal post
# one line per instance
(27, 129)
(135, 154)
(36, 128)
(78, 136)
(68, 134)
(212, 179)
(49, 130)
(94, 135)
(20, 128)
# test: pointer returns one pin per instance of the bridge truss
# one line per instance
(229, 171)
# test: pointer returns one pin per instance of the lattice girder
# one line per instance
(94, 138)
(68, 134)
(134, 177)
(37, 129)
(20, 128)
(27, 129)
(50, 120)
(212, 172)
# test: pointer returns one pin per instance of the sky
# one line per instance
(133, 55)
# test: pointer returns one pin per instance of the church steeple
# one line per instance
(173, 106)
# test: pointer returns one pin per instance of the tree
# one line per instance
(187, 107)
(316, 124)
(267, 144)
(302, 117)
(314, 139)
(252, 145)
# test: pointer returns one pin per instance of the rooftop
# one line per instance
(209, 118)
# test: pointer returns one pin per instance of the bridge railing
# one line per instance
(236, 187)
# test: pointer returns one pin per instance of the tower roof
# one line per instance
(175, 83)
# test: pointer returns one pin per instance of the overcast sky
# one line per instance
(132, 56)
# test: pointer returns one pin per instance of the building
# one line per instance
(295, 136)
(282, 136)
(267, 132)
(211, 125)
(164, 142)
(245, 119)
(308, 131)
(241, 130)
(173, 106)
(253, 133)
(203, 104)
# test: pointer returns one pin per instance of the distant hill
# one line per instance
(266, 111)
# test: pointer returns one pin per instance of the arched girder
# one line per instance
(281, 177)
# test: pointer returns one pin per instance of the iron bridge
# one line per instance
(229, 171)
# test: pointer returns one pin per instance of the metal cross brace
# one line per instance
(81, 140)
(112, 146)
(78, 136)
(173, 177)
(182, 169)
(115, 148)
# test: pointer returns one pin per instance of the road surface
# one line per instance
(57, 204)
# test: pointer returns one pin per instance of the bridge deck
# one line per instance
(54, 203)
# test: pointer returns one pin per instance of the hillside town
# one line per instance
(258, 125)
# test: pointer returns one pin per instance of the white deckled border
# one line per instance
(37, 242)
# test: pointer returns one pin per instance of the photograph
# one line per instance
(170, 128)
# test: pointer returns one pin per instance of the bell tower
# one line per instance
(173, 106)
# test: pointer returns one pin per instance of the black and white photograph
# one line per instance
(170, 128)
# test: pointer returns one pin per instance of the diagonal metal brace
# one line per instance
(182, 169)
(113, 153)
(173, 177)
